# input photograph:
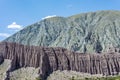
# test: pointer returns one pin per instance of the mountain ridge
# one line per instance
(86, 32)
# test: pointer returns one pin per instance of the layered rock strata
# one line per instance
(49, 59)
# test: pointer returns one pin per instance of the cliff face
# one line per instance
(87, 32)
(52, 59)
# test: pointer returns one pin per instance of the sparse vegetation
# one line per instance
(38, 78)
(73, 78)
(97, 78)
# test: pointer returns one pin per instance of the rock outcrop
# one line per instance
(88, 32)
(4, 68)
(25, 73)
(49, 59)
(69, 75)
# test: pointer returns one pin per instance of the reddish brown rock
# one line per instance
(52, 59)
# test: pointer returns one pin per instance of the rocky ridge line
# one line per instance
(88, 32)
(50, 59)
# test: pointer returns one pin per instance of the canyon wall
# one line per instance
(49, 59)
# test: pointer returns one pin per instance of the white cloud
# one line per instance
(49, 16)
(4, 35)
(15, 26)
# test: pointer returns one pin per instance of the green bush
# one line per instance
(38, 78)
(72, 78)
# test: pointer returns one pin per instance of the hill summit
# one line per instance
(86, 32)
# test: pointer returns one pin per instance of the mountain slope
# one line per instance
(87, 32)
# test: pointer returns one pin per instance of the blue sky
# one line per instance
(16, 14)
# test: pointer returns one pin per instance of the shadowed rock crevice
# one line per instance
(1, 59)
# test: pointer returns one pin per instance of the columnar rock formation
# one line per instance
(50, 59)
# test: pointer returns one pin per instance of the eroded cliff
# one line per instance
(49, 59)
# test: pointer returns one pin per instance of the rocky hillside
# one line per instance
(87, 32)
(48, 59)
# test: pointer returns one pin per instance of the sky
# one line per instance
(17, 14)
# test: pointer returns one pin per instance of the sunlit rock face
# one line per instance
(48, 59)
(4, 67)
(86, 32)
(26, 73)
(69, 75)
